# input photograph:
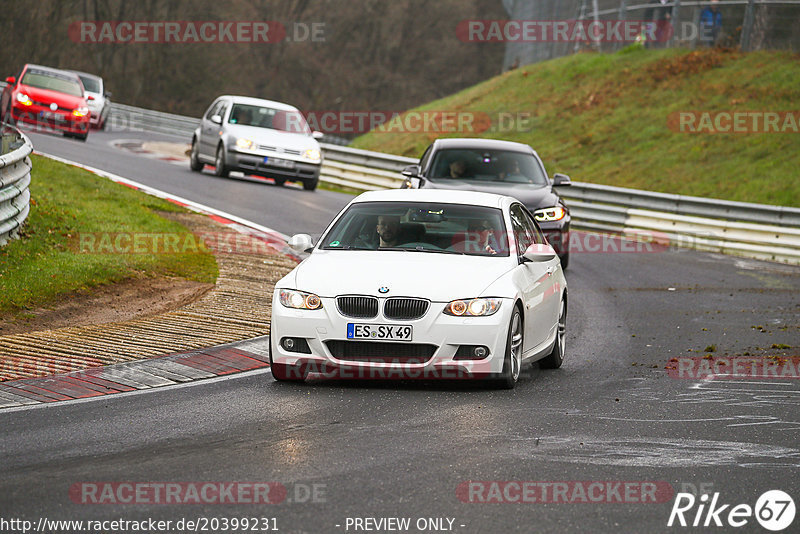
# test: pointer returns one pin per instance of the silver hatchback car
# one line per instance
(98, 98)
(258, 137)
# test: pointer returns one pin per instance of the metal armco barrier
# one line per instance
(744, 229)
(739, 228)
(136, 119)
(15, 179)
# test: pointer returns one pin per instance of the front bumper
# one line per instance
(254, 164)
(97, 116)
(43, 119)
(325, 331)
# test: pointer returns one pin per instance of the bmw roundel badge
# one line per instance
(383, 289)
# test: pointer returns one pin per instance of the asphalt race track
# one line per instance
(378, 450)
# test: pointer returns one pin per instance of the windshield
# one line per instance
(273, 119)
(487, 166)
(420, 227)
(90, 83)
(45, 80)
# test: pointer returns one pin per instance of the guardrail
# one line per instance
(740, 228)
(15, 179)
(751, 230)
(146, 120)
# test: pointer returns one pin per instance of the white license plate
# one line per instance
(47, 115)
(382, 332)
(277, 162)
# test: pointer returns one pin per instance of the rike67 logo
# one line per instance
(774, 510)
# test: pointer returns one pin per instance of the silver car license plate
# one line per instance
(379, 332)
(277, 162)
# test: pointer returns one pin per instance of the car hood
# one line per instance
(47, 96)
(438, 277)
(274, 138)
(532, 196)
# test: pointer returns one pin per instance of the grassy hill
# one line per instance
(604, 119)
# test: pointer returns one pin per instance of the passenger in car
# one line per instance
(479, 238)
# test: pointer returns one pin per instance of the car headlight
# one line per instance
(244, 143)
(81, 112)
(313, 154)
(555, 213)
(300, 300)
(473, 307)
(24, 99)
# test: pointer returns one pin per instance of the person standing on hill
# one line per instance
(710, 24)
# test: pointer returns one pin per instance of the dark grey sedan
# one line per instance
(501, 167)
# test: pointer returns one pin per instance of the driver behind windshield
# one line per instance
(388, 229)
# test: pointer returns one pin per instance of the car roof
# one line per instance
(252, 101)
(51, 70)
(87, 74)
(473, 143)
(472, 198)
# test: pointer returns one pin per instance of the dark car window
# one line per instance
(525, 231)
(90, 83)
(47, 80)
(539, 236)
(265, 117)
(223, 109)
(421, 227)
(487, 166)
(213, 109)
(423, 161)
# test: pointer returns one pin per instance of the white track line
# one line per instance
(195, 206)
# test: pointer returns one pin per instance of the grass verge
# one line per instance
(603, 118)
(45, 266)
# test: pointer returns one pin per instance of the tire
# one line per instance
(81, 137)
(564, 261)
(286, 373)
(556, 357)
(512, 363)
(310, 185)
(279, 181)
(194, 162)
(220, 169)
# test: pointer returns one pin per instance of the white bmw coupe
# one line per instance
(422, 284)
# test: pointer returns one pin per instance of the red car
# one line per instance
(48, 99)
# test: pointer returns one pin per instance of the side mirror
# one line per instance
(11, 80)
(107, 94)
(300, 242)
(539, 253)
(317, 135)
(412, 171)
(561, 180)
(89, 97)
(216, 119)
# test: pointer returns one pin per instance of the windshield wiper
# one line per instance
(435, 251)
